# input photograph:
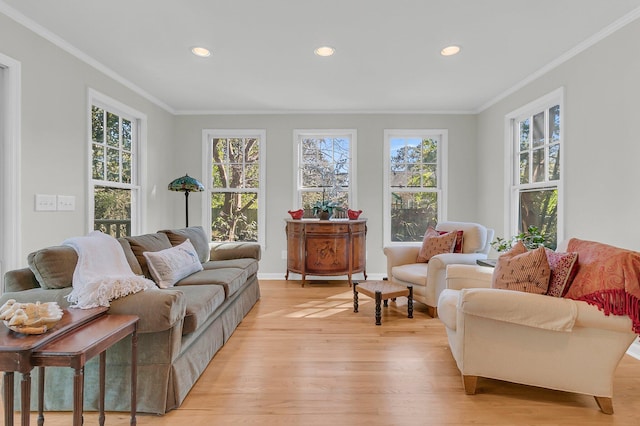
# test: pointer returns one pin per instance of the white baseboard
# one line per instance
(292, 276)
(634, 349)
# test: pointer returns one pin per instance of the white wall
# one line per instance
(54, 132)
(370, 128)
(601, 146)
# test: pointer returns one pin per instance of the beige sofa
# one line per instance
(532, 339)
(180, 328)
(428, 279)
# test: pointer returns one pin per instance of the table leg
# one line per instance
(378, 309)
(355, 297)
(40, 396)
(103, 357)
(8, 398)
(134, 374)
(78, 396)
(25, 395)
(410, 302)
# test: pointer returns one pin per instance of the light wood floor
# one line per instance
(303, 357)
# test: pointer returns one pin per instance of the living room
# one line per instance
(597, 76)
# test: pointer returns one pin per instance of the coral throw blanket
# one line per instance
(608, 277)
(102, 273)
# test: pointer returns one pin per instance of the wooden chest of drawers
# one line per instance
(326, 247)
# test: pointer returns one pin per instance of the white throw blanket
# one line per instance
(102, 273)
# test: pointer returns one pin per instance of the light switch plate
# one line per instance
(66, 202)
(46, 203)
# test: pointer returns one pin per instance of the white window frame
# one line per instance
(207, 157)
(10, 155)
(511, 172)
(442, 176)
(138, 166)
(299, 135)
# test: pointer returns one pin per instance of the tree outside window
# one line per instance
(415, 185)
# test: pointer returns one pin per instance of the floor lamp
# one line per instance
(186, 184)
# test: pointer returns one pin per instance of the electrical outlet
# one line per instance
(66, 202)
(46, 203)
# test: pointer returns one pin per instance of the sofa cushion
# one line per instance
(201, 301)
(196, 235)
(148, 242)
(131, 258)
(230, 278)
(522, 270)
(475, 235)
(434, 243)
(564, 267)
(250, 265)
(169, 266)
(457, 247)
(415, 273)
(53, 266)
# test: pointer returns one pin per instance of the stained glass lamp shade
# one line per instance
(186, 184)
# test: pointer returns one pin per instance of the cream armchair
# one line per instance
(531, 339)
(428, 279)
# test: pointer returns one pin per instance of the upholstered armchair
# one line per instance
(531, 339)
(428, 279)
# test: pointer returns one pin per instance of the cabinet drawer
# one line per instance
(327, 228)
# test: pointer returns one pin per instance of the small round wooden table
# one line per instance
(382, 290)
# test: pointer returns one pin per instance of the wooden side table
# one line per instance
(16, 352)
(76, 348)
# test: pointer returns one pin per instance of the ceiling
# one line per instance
(387, 51)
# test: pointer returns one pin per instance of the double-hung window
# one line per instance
(535, 171)
(415, 183)
(114, 151)
(234, 170)
(324, 168)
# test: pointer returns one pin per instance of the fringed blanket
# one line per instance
(102, 273)
(608, 277)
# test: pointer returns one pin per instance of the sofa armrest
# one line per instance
(235, 250)
(19, 280)
(158, 309)
(517, 307)
(468, 276)
(400, 255)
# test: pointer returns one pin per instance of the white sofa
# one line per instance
(428, 279)
(532, 339)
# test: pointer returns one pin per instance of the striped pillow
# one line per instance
(522, 270)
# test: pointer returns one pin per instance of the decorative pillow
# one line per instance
(147, 242)
(53, 266)
(169, 266)
(457, 247)
(564, 267)
(196, 235)
(522, 270)
(434, 243)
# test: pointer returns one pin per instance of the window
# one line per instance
(324, 168)
(114, 155)
(415, 183)
(535, 167)
(235, 166)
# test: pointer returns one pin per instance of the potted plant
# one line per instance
(532, 238)
(324, 209)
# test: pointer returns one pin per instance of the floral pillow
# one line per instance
(433, 243)
(457, 248)
(564, 267)
(169, 266)
(522, 270)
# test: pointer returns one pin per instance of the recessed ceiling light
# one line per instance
(201, 51)
(450, 50)
(325, 51)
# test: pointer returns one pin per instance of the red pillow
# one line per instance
(457, 248)
(434, 243)
(564, 267)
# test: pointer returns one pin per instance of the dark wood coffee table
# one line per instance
(16, 355)
(76, 348)
(382, 290)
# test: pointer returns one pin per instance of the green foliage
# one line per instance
(532, 238)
